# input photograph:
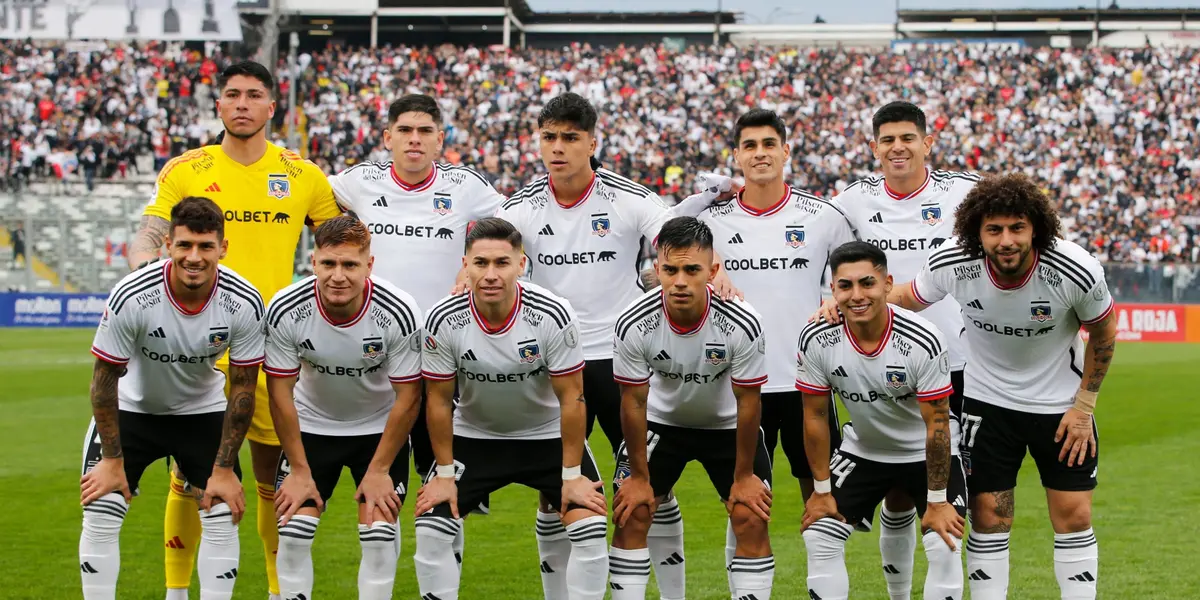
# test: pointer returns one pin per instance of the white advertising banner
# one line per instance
(164, 20)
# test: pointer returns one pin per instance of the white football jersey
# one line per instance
(881, 389)
(417, 232)
(690, 371)
(344, 371)
(588, 252)
(908, 228)
(504, 373)
(776, 257)
(1024, 351)
(171, 353)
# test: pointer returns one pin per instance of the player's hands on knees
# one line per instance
(828, 312)
(818, 507)
(1076, 428)
(224, 484)
(942, 518)
(585, 493)
(436, 491)
(378, 491)
(107, 476)
(751, 492)
(634, 492)
(297, 488)
(723, 286)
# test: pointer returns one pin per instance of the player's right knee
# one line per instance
(298, 533)
(635, 530)
(823, 540)
(991, 512)
(1070, 512)
(747, 526)
(102, 519)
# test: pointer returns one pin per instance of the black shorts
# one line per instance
(859, 485)
(669, 449)
(192, 440)
(956, 397)
(483, 466)
(994, 443)
(328, 454)
(783, 420)
(603, 397)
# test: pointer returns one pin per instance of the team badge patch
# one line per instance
(623, 473)
(714, 353)
(372, 348)
(442, 204)
(430, 343)
(794, 236)
(217, 339)
(1040, 312)
(932, 215)
(528, 351)
(895, 378)
(600, 224)
(278, 186)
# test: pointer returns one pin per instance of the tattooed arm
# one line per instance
(149, 240)
(1102, 341)
(243, 381)
(937, 443)
(104, 407)
(633, 427)
(569, 390)
(1076, 431)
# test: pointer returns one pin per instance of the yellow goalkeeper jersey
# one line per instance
(265, 206)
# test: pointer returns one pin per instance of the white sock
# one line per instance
(377, 571)
(825, 544)
(293, 563)
(554, 549)
(100, 547)
(897, 543)
(752, 577)
(730, 551)
(1077, 564)
(628, 573)
(177, 594)
(944, 580)
(437, 571)
(665, 540)
(587, 569)
(460, 542)
(217, 558)
(987, 565)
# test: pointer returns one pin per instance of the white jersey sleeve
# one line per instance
(485, 200)
(118, 331)
(563, 352)
(933, 376)
(750, 355)
(811, 376)
(934, 282)
(438, 360)
(1092, 305)
(283, 359)
(652, 213)
(247, 346)
(344, 190)
(404, 356)
(630, 365)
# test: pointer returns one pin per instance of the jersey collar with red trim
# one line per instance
(678, 330)
(883, 341)
(894, 195)
(367, 293)
(1020, 284)
(587, 192)
(419, 187)
(509, 321)
(770, 210)
(176, 303)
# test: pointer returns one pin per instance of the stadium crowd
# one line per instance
(1106, 131)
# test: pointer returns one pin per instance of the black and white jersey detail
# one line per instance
(418, 230)
(777, 257)
(503, 371)
(882, 389)
(592, 257)
(1023, 340)
(690, 370)
(345, 369)
(910, 227)
(170, 352)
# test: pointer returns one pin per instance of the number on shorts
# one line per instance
(840, 467)
(973, 423)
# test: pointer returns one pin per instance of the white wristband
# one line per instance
(446, 471)
(822, 486)
(570, 473)
(936, 496)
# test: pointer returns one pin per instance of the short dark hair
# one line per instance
(493, 228)
(898, 112)
(247, 68)
(569, 108)
(759, 117)
(342, 229)
(852, 252)
(418, 103)
(1013, 195)
(199, 214)
(684, 232)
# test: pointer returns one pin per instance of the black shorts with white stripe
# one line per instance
(669, 449)
(329, 454)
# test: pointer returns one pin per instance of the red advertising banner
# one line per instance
(1151, 322)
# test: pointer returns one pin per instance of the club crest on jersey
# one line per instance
(932, 215)
(794, 236)
(895, 378)
(714, 353)
(430, 343)
(529, 351)
(278, 186)
(1040, 312)
(217, 339)
(372, 349)
(600, 224)
(442, 204)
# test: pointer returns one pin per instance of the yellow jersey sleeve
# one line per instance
(173, 184)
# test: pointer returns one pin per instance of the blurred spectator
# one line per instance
(16, 236)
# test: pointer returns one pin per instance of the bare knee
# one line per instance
(1070, 512)
(265, 460)
(633, 534)
(992, 512)
(750, 530)
(898, 501)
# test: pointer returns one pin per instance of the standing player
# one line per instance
(515, 353)
(582, 229)
(344, 356)
(691, 367)
(266, 193)
(908, 212)
(163, 329)
(891, 369)
(1031, 383)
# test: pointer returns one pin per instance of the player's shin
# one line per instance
(294, 562)
(181, 534)
(99, 546)
(944, 580)
(665, 540)
(897, 543)
(377, 571)
(987, 565)
(587, 569)
(730, 551)
(218, 556)
(1076, 564)
(268, 532)
(628, 573)
(554, 549)
(437, 570)
(825, 544)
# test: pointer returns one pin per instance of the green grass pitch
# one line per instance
(1143, 514)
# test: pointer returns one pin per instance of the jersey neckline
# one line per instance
(883, 340)
(987, 266)
(419, 187)
(272, 151)
(368, 292)
(676, 329)
(897, 196)
(770, 210)
(509, 321)
(176, 303)
(587, 192)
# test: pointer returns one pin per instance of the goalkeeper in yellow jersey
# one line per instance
(266, 193)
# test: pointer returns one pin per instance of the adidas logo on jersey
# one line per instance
(840, 371)
(979, 575)
(662, 356)
(308, 345)
(213, 187)
(381, 202)
(673, 559)
(546, 231)
(1084, 577)
(230, 574)
(158, 333)
(736, 239)
(878, 218)
(975, 304)
(469, 355)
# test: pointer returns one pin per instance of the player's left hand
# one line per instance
(751, 492)
(723, 286)
(224, 484)
(942, 518)
(1076, 428)
(461, 284)
(585, 493)
(377, 491)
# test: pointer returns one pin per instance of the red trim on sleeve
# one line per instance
(438, 376)
(248, 363)
(274, 372)
(406, 379)
(756, 382)
(1103, 315)
(917, 294)
(575, 369)
(627, 381)
(808, 388)
(945, 392)
(108, 358)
